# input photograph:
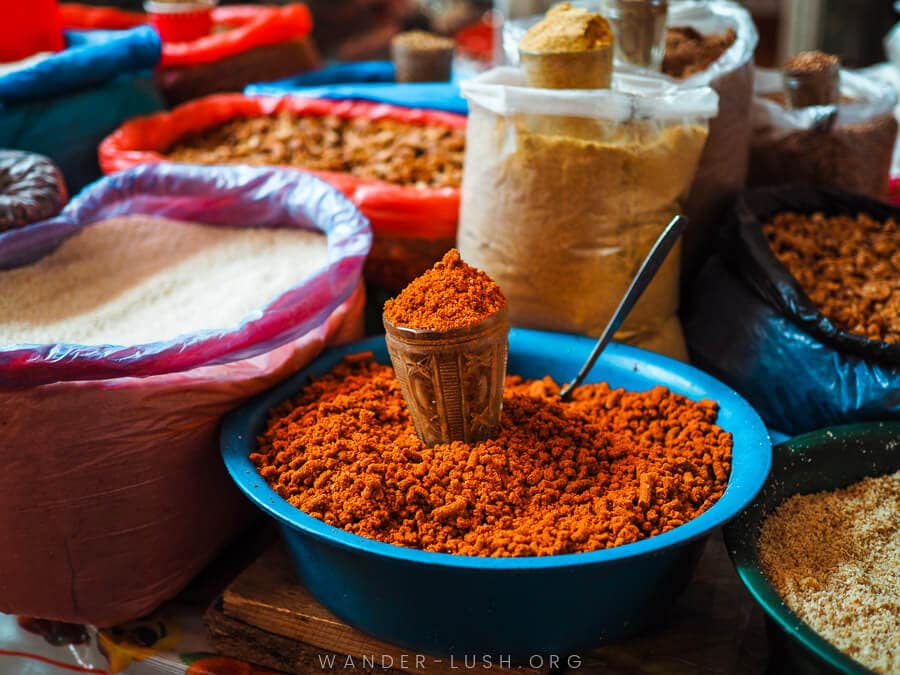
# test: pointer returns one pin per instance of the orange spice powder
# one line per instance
(450, 295)
(608, 468)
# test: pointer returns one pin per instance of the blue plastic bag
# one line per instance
(750, 324)
(222, 196)
(366, 81)
(63, 106)
(340, 73)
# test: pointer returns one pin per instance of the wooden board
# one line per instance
(265, 616)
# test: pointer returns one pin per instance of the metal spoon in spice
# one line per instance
(654, 260)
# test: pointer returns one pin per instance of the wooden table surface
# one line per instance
(265, 616)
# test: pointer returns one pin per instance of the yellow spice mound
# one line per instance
(568, 29)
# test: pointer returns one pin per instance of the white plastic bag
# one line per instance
(722, 171)
(565, 191)
(845, 147)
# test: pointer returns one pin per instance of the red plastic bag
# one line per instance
(28, 28)
(413, 226)
(86, 17)
(247, 27)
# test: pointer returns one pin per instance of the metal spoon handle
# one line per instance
(648, 270)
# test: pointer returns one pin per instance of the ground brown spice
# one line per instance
(608, 468)
(849, 266)
(450, 295)
(689, 52)
(811, 62)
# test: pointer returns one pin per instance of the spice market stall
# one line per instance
(552, 452)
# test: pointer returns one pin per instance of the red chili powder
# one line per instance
(450, 295)
(608, 468)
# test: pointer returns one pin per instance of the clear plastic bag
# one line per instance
(845, 147)
(565, 191)
(722, 171)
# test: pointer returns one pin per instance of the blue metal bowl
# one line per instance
(445, 604)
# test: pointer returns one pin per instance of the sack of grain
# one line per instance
(702, 51)
(565, 191)
(850, 151)
(113, 494)
(755, 325)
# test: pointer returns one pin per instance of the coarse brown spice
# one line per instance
(420, 39)
(834, 557)
(608, 468)
(848, 266)
(811, 62)
(383, 149)
(450, 295)
(689, 51)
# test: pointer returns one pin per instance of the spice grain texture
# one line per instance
(834, 557)
(848, 266)
(689, 51)
(608, 468)
(382, 149)
(139, 279)
(450, 295)
(566, 28)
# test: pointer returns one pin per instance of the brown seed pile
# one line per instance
(689, 51)
(420, 39)
(450, 295)
(834, 557)
(384, 149)
(811, 62)
(608, 468)
(849, 267)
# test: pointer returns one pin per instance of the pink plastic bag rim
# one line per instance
(219, 196)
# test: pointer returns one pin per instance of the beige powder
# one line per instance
(834, 557)
(568, 29)
(562, 224)
(139, 279)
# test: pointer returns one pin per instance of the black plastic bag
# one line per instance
(753, 326)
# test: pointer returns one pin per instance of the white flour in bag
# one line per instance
(139, 279)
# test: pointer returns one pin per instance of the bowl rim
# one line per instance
(235, 448)
(743, 552)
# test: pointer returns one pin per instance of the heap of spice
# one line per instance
(848, 266)
(834, 557)
(571, 48)
(567, 29)
(450, 295)
(689, 51)
(608, 468)
(420, 39)
(383, 149)
(419, 56)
